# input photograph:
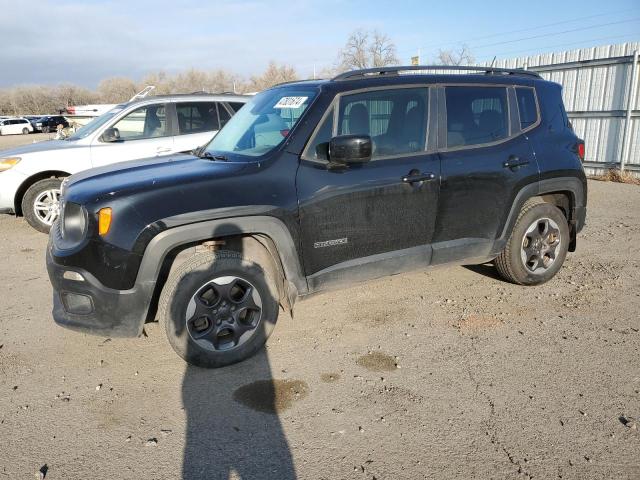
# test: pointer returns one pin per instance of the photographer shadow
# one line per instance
(223, 436)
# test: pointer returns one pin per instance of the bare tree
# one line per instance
(366, 49)
(116, 89)
(461, 56)
(273, 75)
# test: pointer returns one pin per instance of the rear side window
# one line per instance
(476, 115)
(235, 106)
(224, 115)
(526, 107)
(396, 120)
(197, 117)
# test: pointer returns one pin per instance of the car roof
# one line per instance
(195, 97)
(425, 74)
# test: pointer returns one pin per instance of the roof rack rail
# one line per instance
(369, 72)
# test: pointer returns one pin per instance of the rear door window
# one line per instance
(476, 115)
(197, 117)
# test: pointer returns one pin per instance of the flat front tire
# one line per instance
(218, 308)
(537, 246)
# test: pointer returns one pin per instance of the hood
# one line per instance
(43, 146)
(136, 176)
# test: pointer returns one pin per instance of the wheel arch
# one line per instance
(567, 193)
(17, 200)
(261, 237)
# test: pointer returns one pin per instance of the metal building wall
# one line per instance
(597, 91)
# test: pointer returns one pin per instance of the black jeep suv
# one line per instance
(314, 185)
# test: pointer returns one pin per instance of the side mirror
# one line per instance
(111, 135)
(350, 149)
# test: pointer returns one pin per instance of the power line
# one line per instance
(538, 52)
(551, 34)
(434, 45)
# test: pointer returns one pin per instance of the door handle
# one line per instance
(417, 177)
(163, 149)
(515, 162)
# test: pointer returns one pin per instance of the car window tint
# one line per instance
(197, 117)
(526, 107)
(223, 115)
(235, 105)
(142, 123)
(319, 146)
(476, 115)
(396, 120)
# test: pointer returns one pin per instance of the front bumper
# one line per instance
(88, 306)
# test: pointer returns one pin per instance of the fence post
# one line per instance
(631, 101)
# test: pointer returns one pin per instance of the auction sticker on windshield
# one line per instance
(290, 102)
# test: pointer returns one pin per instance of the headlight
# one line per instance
(7, 163)
(38, 124)
(74, 222)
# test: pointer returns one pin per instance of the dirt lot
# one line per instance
(10, 141)
(440, 374)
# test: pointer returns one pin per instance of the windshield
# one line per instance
(263, 123)
(95, 124)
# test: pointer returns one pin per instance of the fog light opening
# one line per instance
(77, 304)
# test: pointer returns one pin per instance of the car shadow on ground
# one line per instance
(223, 435)
(486, 269)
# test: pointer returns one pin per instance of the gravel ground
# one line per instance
(10, 141)
(450, 373)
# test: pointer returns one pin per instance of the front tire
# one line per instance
(537, 246)
(218, 308)
(41, 204)
(46, 129)
(25, 131)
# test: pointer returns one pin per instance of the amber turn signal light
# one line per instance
(104, 220)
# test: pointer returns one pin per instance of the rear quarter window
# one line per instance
(527, 107)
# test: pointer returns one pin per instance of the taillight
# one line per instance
(580, 150)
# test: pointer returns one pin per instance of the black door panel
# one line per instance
(365, 210)
(485, 162)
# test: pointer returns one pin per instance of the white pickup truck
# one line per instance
(30, 176)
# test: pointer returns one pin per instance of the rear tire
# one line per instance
(537, 246)
(40, 205)
(218, 308)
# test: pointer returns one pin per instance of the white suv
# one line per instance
(30, 176)
(15, 126)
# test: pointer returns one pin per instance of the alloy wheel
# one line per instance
(47, 206)
(540, 245)
(224, 313)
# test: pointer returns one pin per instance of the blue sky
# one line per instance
(83, 41)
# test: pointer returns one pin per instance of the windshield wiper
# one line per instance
(211, 156)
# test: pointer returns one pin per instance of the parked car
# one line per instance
(317, 185)
(49, 123)
(15, 126)
(30, 176)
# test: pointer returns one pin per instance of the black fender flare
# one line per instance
(574, 185)
(166, 241)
